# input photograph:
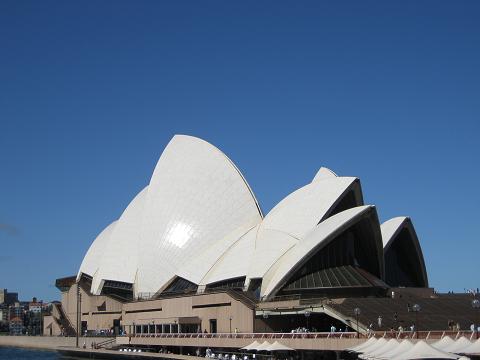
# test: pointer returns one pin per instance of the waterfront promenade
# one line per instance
(46, 342)
(297, 341)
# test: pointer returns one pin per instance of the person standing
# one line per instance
(379, 321)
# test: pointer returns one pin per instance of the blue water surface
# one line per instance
(10, 353)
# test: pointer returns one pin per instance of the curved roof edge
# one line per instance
(91, 260)
(198, 268)
(265, 256)
(390, 230)
(232, 263)
(123, 240)
(303, 209)
(356, 187)
(218, 201)
(324, 173)
(233, 165)
(321, 236)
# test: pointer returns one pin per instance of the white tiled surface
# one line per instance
(196, 197)
(390, 227)
(199, 219)
(235, 260)
(196, 268)
(120, 260)
(324, 173)
(93, 257)
(270, 246)
(303, 209)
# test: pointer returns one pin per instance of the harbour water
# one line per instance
(11, 353)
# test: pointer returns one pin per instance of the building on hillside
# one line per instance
(16, 326)
(4, 313)
(7, 298)
(35, 306)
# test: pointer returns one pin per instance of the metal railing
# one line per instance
(263, 336)
(425, 335)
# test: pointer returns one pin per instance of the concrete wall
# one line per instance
(98, 311)
(45, 342)
(220, 306)
(50, 326)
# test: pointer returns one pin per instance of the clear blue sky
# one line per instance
(91, 92)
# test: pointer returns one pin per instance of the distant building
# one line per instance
(16, 326)
(35, 306)
(7, 297)
(17, 310)
(3, 314)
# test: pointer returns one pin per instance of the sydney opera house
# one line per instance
(193, 251)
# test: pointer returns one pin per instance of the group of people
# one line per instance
(300, 330)
(210, 354)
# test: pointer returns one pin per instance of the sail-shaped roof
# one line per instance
(196, 197)
(123, 245)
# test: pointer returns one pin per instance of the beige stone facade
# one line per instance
(212, 312)
(227, 313)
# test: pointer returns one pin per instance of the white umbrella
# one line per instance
(474, 348)
(276, 346)
(421, 350)
(363, 345)
(377, 345)
(458, 345)
(403, 347)
(443, 342)
(390, 344)
(252, 346)
(263, 346)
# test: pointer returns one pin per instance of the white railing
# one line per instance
(427, 335)
(264, 336)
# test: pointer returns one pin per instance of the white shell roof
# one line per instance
(197, 268)
(303, 209)
(293, 217)
(198, 219)
(268, 249)
(324, 173)
(235, 261)
(390, 228)
(123, 244)
(318, 238)
(196, 196)
(93, 257)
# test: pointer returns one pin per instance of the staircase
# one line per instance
(62, 320)
(243, 297)
(436, 312)
(105, 344)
